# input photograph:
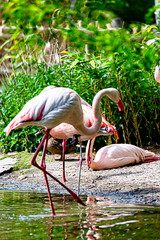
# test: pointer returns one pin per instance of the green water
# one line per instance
(27, 215)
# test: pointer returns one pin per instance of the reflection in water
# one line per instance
(96, 214)
(27, 215)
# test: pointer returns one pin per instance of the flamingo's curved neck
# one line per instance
(109, 92)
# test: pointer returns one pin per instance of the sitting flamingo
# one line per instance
(117, 155)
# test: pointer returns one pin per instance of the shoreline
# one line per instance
(138, 184)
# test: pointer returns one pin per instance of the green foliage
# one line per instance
(117, 59)
(26, 14)
(129, 70)
(131, 11)
(80, 23)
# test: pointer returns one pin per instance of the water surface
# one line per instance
(27, 215)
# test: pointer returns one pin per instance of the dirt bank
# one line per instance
(138, 183)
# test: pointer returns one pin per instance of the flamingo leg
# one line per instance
(43, 166)
(63, 158)
(80, 167)
(34, 163)
(88, 156)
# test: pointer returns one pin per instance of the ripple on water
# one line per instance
(27, 215)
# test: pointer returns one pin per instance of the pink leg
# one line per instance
(43, 166)
(34, 163)
(80, 167)
(88, 156)
(63, 158)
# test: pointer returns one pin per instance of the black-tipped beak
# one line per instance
(103, 130)
(121, 113)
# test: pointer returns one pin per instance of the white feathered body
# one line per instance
(118, 155)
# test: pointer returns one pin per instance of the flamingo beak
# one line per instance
(107, 130)
(120, 106)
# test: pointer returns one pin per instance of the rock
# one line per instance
(22, 177)
(6, 165)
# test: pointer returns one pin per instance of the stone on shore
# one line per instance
(6, 165)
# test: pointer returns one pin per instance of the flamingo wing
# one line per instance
(25, 115)
(49, 109)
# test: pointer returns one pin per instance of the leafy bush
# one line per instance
(117, 59)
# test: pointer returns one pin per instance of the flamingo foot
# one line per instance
(73, 194)
(78, 199)
(64, 180)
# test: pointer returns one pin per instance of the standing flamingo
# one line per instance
(49, 109)
(64, 130)
(118, 155)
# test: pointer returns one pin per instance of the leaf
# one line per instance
(15, 35)
(5, 58)
(74, 63)
(92, 62)
(19, 65)
(5, 43)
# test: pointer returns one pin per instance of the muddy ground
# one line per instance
(136, 184)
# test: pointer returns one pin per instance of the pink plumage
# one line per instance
(118, 155)
(51, 107)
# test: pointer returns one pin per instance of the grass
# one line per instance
(24, 159)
